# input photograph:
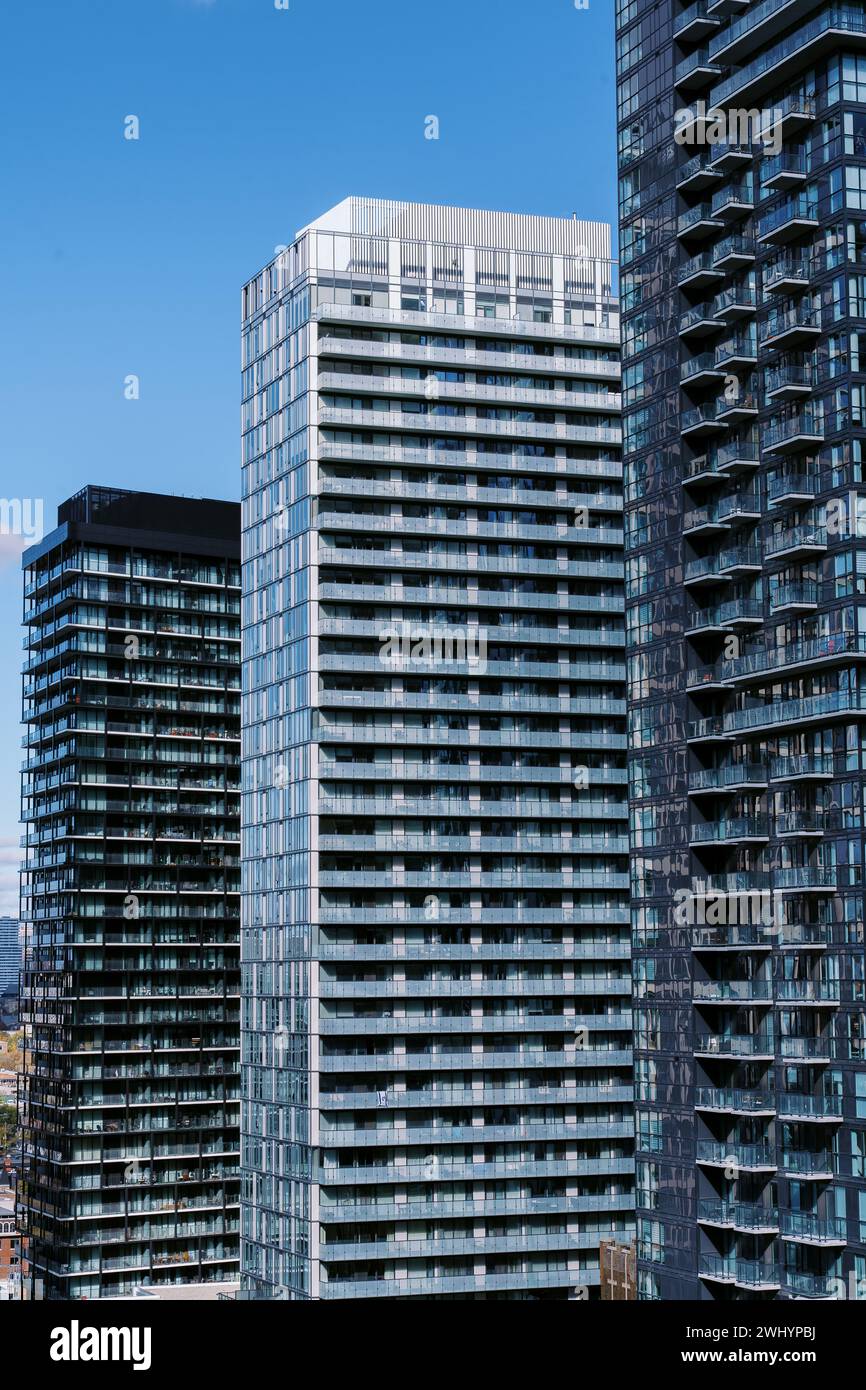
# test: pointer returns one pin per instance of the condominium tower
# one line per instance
(130, 896)
(742, 155)
(10, 954)
(436, 1035)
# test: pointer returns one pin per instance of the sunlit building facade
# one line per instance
(436, 1033)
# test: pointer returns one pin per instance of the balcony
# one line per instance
(789, 489)
(730, 777)
(695, 23)
(753, 1046)
(725, 617)
(730, 154)
(738, 404)
(796, 542)
(733, 201)
(728, 511)
(742, 560)
(803, 1163)
(700, 421)
(789, 381)
(698, 222)
(812, 1286)
(737, 352)
(794, 598)
(742, 831)
(732, 992)
(735, 303)
(794, 218)
(787, 274)
(696, 174)
(704, 570)
(753, 1275)
(734, 1102)
(701, 371)
(746, 1217)
(698, 272)
(793, 1106)
(735, 456)
(696, 71)
(703, 679)
(809, 878)
(698, 322)
(808, 992)
(784, 171)
(792, 328)
(754, 1158)
(839, 23)
(800, 432)
(733, 252)
(762, 22)
(803, 767)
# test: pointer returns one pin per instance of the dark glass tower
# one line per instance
(742, 151)
(130, 896)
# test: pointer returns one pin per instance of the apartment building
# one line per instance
(10, 955)
(742, 159)
(436, 1027)
(130, 797)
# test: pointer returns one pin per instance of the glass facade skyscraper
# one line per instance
(436, 1031)
(130, 896)
(742, 157)
(10, 954)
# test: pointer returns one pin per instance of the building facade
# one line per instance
(11, 955)
(130, 897)
(436, 1035)
(742, 157)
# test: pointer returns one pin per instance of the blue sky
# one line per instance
(122, 257)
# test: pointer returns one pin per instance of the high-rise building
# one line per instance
(436, 1038)
(10, 954)
(742, 155)
(130, 896)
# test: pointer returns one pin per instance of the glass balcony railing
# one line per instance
(801, 767)
(732, 1045)
(792, 215)
(808, 991)
(790, 326)
(734, 1101)
(733, 200)
(814, 540)
(848, 19)
(699, 269)
(733, 250)
(737, 775)
(730, 831)
(704, 364)
(808, 1163)
(698, 218)
(739, 1216)
(694, 21)
(799, 1285)
(732, 991)
(787, 269)
(791, 1104)
(789, 380)
(791, 596)
(753, 1156)
(746, 1274)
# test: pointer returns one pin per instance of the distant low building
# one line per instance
(10, 1251)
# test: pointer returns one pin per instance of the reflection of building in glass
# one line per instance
(744, 315)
